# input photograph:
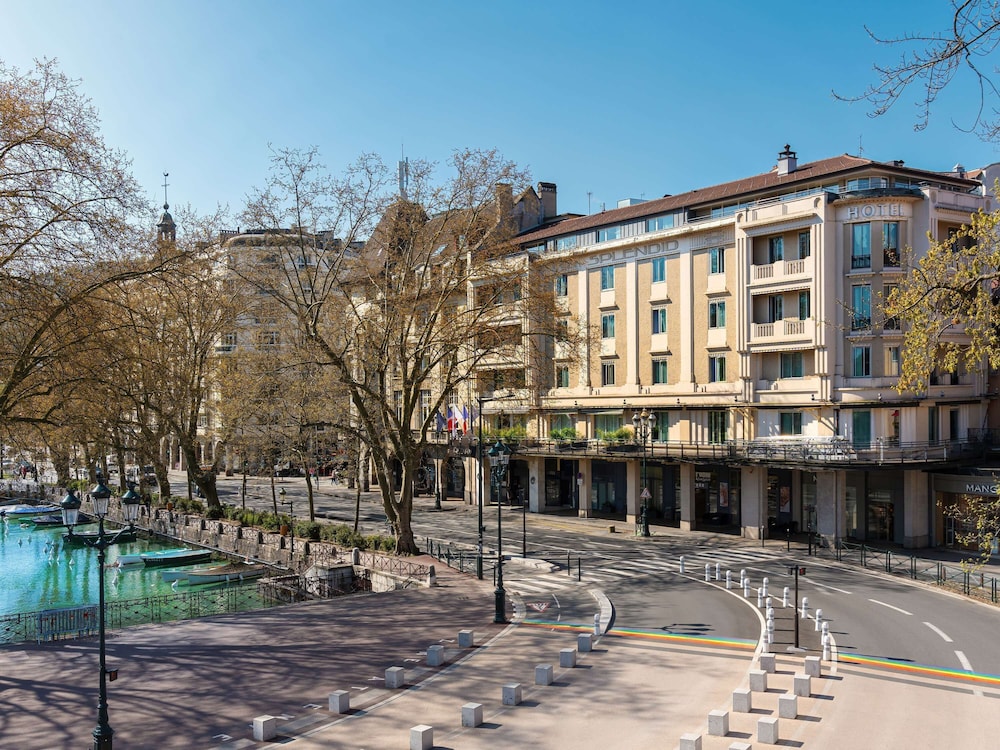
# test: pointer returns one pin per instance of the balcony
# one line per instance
(782, 271)
(790, 331)
(861, 261)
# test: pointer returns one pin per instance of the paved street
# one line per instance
(915, 666)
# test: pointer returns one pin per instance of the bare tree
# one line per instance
(931, 61)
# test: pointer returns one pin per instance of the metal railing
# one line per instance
(393, 565)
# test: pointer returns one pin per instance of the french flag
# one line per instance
(465, 419)
(453, 420)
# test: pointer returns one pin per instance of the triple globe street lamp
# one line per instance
(644, 425)
(131, 502)
(499, 461)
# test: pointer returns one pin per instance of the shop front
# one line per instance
(717, 497)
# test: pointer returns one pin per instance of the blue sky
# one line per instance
(634, 99)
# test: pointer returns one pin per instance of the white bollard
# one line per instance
(826, 647)
(597, 623)
(729, 579)
(819, 618)
(765, 586)
(784, 597)
(767, 601)
(760, 597)
(743, 575)
(708, 572)
(825, 628)
(682, 564)
(746, 588)
(718, 571)
(805, 607)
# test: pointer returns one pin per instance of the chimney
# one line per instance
(786, 161)
(547, 194)
(505, 201)
(959, 170)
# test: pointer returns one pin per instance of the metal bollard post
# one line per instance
(805, 607)
(765, 586)
(819, 618)
(682, 564)
(579, 569)
(569, 566)
(760, 598)
(784, 597)
(708, 572)
(729, 579)
(718, 571)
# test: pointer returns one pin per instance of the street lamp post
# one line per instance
(499, 460)
(291, 520)
(101, 495)
(644, 424)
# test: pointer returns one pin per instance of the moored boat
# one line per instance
(176, 557)
(239, 571)
(15, 511)
(82, 537)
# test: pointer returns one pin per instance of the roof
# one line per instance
(768, 182)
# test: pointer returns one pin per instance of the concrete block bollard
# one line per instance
(265, 728)
(758, 680)
(544, 674)
(742, 701)
(340, 701)
(567, 658)
(682, 565)
(740, 746)
(767, 730)
(472, 714)
(802, 685)
(584, 643)
(766, 663)
(395, 677)
(511, 694)
(690, 742)
(466, 638)
(814, 666)
(819, 619)
(435, 655)
(718, 723)
(788, 706)
(421, 737)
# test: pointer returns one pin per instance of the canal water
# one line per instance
(39, 571)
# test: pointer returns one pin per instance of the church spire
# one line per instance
(166, 229)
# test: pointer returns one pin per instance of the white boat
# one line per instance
(175, 557)
(230, 572)
(14, 511)
(135, 558)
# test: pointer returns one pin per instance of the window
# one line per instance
(791, 364)
(608, 326)
(889, 324)
(716, 368)
(562, 285)
(659, 320)
(861, 245)
(608, 233)
(425, 404)
(717, 260)
(716, 314)
(397, 404)
(562, 376)
(607, 422)
(861, 307)
(659, 222)
(659, 371)
(805, 305)
(267, 339)
(805, 246)
(791, 423)
(718, 426)
(890, 244)
(775, 308)
(659, 270)
(607, 373)
(933, 433)
(775, 249)
(566, 243)
(867, 183)
(861, 357)
(607, 278)
(892, 360)
(228, 342)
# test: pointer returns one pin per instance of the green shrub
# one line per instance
(214, 514)
(622, 433)
(308, 530)
(563, 433)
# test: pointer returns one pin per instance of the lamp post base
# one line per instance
(500, 595)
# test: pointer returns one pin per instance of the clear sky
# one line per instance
(615, 99)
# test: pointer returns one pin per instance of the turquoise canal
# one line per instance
(39, 571)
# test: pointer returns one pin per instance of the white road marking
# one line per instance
(967, 666)
(876, 601)
(831, 588)
(940, 632)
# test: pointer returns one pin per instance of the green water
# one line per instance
(38, 571)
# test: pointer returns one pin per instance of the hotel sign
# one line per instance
(874, 211)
